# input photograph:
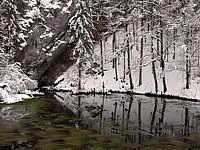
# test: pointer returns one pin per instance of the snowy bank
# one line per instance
(7, 98)
(95, 83)
(16, 98)
(12, 98)
(13, 81)
(174, 73)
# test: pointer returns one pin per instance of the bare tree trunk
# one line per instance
(154, 68)
(158, 41)
(141, 56)
(113, 48)
(124, 73)
(79, 77)
(187, 61)
(101, 47)
(134, 32)
(101, 41)
(136, 29)
(115, 59)
(152, 52)
(124, 57)
(144, 29)
(167, 50)
(162, 58)
(129, 62)
(174, 54)
(141, 50)
(149, 24)
(116, 67)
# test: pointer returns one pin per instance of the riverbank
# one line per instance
(14, 98)
(110, 92)
(97, 84)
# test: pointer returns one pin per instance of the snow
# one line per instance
(13, 81)
(7, 98)
(29, 92)
(174, 73)
(16, 98)
(23, 44)
(45, 2)
(13, 98)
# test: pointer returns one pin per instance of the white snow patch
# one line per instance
(13, 98)
(29, 92)
(16, 98)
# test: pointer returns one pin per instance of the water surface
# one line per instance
(117, 121)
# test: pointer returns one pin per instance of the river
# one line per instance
(116, 121)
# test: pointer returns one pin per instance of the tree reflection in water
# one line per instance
(135, 118)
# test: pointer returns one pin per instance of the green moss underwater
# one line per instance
(45, 124)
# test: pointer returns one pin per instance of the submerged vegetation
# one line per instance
(43, 123)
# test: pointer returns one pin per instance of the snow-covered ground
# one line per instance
(13, 98)
(174, 73)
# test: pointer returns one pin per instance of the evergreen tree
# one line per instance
(80, 31)
(8, 26)
(12, 76)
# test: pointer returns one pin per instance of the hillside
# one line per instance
(175, 74)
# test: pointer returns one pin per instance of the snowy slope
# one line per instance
(174, 73)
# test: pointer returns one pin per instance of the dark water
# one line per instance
(63, 121)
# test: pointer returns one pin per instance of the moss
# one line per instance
(164, 143)
(130, 132)
(40, 124)
(51, 146)
(51, 126)
(193, 137)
